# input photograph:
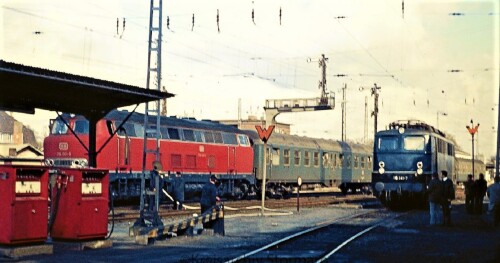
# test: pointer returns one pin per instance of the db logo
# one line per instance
(63, 146)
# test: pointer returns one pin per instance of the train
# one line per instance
(201, 148)
(463, 167)
(404, 158)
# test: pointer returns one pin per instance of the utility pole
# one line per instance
(344, 130)
(375, 91)
(365, 134)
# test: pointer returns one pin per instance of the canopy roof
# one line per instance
(24, 88)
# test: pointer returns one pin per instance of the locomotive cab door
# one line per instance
(231, 160)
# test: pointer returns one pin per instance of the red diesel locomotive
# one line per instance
(197, 149)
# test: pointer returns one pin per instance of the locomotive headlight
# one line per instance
(381, 170)
(401, 130)
(419, 168)
(381, 164)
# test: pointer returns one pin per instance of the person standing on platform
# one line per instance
(209, 197)
(435, 193)
(494, 196)
(178, 188)
(481, 187)
(448, 195)
(470, 193)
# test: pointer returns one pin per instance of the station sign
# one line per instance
(264, 133)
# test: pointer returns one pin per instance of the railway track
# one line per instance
(320, 243)
(130, 213)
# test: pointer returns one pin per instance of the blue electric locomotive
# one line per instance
(404, 158)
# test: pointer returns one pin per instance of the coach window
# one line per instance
(334, 160)
(451, 150)
(356, 163)
(81, 127)
(173, 134)
(316, 159)
(341, 160)
(218, 137)
(306, 158)
(326, 159)
(362, 158)
(229, 138)
(286, 157)
(189, 135)
(276, 156)
(369, 161)
(297, 157)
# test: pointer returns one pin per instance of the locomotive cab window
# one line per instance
(59, 127)
(81, 127)
(243, 140)
(388, 143)
(414, 143)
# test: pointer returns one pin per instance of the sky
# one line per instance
(431, 65)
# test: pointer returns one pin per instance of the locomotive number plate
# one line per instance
(91, 188)
(28, 187)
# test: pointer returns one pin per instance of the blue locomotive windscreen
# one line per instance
(414, 143)
(388, 143)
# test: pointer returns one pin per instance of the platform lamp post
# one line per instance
(472, 130)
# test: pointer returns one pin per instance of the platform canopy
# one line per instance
(24, 88)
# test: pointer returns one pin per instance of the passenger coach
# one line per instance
(319, 163)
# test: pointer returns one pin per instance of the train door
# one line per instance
(123, 150)
(231, 159)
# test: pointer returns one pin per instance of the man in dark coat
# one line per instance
(435, 193)
(209, 198)
(470, 193)
(178, 191)
(481, 187)
(448, 195)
